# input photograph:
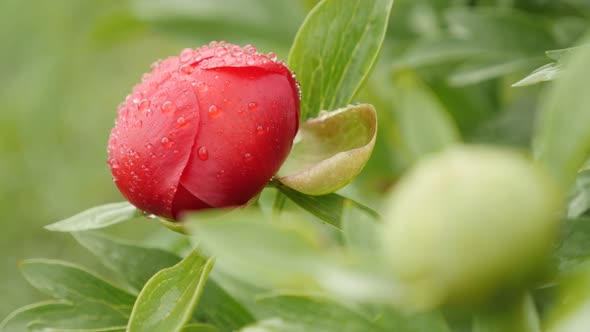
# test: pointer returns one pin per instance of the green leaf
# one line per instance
(258, 251)
(311, 314)
(327, 208)
(481, 70)
(574, 249)
(96, 217)
(331, 150)
(562, 138)
(167, 301)
(519, 315)
(57, 316)
(544, 73)
(580, 199)
(335, 50)
(67, 281)
(425, 125)
(570, 311)
(360, 229)
(195, 327)
(134, 263)
(137, 264)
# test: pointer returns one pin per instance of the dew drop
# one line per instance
(252, 106)
(248, 157)
(186, 69)
(186, 55)
(182, 122)
(260, 130)
(202, 87)
(148, 112)
(250, 60)
(214, 111)
(148, 146)
(145, 76)
(138, 124)
(168, 107)
(203, 153)
(143, 104)
(272, 56)
(166, 142)
(114, 164)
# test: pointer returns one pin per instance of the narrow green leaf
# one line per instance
(562, 138)
(485, 69)
(331, 150)
(544, 73)
(67, 281)
(58, 316)
(424, 123)
(96, 217)
(137, 264)
(570, 311)
(335, 50)
(168, 299)
(561, 54)
(580, 199)
(327, 208)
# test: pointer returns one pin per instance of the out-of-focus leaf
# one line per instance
(360, 229)
(574, 248)
(319, 314)
(331, 150)
(326, 207)
(138, 264)
(58, 316)
(437, 51)
(517, 316)
(194, 327)
(96, 217)
(290, 254)
(545, 73)
(549, 71)
(562, 138)
(425, 125)
(580, 200)
(481, 70)
(509, 31)
(168, 299)
(333, 59)
(69, 282)
(570, 311)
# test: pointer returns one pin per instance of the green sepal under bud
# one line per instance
(467, 223)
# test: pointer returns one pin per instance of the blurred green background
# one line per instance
(445, 73)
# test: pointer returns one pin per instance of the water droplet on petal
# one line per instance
(252, 106)
(203, 153)
(143, 104)
(214, 111)
(186, 69)
(148, 112)
(260, 130)
(114, 164)
(250, 60)
(168, 108)
(202, 87)
(182, 122)
(148, 146)
(248, 157)
(272, 56)
(186, 55)
(166, 142)
(138, 124)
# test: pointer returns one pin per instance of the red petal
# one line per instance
(152, 139)
(249, 117)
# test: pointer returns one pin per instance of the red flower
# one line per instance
(205, 129)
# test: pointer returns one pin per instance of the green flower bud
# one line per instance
(467, 222)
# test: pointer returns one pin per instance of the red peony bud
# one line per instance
(207, 128)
